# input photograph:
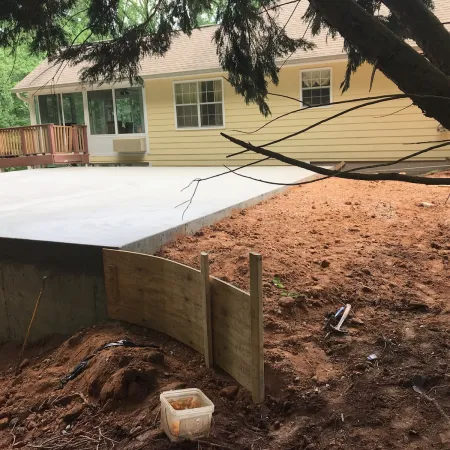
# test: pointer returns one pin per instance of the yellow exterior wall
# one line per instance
(359, 136)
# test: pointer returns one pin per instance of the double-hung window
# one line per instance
(199, 104)
(316, 87)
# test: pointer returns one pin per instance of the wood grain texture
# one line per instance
(206, 305)
(156, 293)
(231, 324)
(215, 318)
(257, 333)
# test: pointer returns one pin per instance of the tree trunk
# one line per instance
(409, 70)
(426, 29)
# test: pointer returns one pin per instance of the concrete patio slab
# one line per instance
(56, 222)
(125, 207)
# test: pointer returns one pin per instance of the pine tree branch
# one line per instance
(401, 63)
(426, 30)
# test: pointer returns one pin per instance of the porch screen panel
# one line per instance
(130, 110)
(101, 112)
(49, 109)
(73, 108)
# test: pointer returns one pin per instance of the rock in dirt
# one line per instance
(73, 414)
(356, 321)
(367, 289)
(286, 302)
(229, 392)
(4, 423)
(155, 357)
(24, 363)
(324, 264)
(425, 205)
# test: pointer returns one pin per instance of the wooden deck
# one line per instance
(38, 145)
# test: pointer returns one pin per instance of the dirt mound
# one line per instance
(114, 400)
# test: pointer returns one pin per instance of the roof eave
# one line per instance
(211, 70)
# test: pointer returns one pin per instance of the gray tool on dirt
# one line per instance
(345, 314)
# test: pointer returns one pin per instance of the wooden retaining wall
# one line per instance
(214, 318)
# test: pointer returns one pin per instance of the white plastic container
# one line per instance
(190, 423)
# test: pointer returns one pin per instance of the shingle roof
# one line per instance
(197, 53)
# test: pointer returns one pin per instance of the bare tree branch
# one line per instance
(327, 172)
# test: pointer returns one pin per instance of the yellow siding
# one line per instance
(359, 136)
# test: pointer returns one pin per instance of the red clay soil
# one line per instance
(323, 245)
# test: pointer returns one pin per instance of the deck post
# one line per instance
(23, 146)
(85, 140)
(51, 138)
(75, 140)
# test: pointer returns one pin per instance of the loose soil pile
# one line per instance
(323, 245)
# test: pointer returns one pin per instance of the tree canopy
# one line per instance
(113, 35)
(14, 67)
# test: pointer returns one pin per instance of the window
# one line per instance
(316, 87)
(50, 109)
(101, 112)
(60, 109)
(73, 111)
(130, 112)
(199, 104)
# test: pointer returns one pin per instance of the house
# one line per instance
(177, 116)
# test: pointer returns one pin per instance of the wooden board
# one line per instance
(155, 293)
(215, 318)
(231, 322)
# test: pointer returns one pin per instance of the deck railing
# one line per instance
(43, 139)
(39, 145)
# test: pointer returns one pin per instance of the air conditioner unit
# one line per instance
(133, 145)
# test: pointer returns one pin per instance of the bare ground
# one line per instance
(323, 245)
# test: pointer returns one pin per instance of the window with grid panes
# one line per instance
(316, 87)
(199, 104)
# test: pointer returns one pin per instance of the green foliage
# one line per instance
(112, 36)
(277, 282)
(14, 112)
(355, 58)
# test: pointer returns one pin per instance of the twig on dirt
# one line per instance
(38, 301)
(158, 410)
(446, 201)
(13, 435)
(419, 389)
(213, 445)
(62, 399)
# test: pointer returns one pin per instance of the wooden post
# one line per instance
(51, 138)
(23, 144)
(75, 141)
(85, 140)
(257, 330)
(206, 302)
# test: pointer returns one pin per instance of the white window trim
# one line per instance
(116, 124)
(86, 111)
(212, 127)
(317, 69)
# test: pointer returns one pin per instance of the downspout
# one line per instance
(27, 100)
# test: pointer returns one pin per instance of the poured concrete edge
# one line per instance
(151, 244)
